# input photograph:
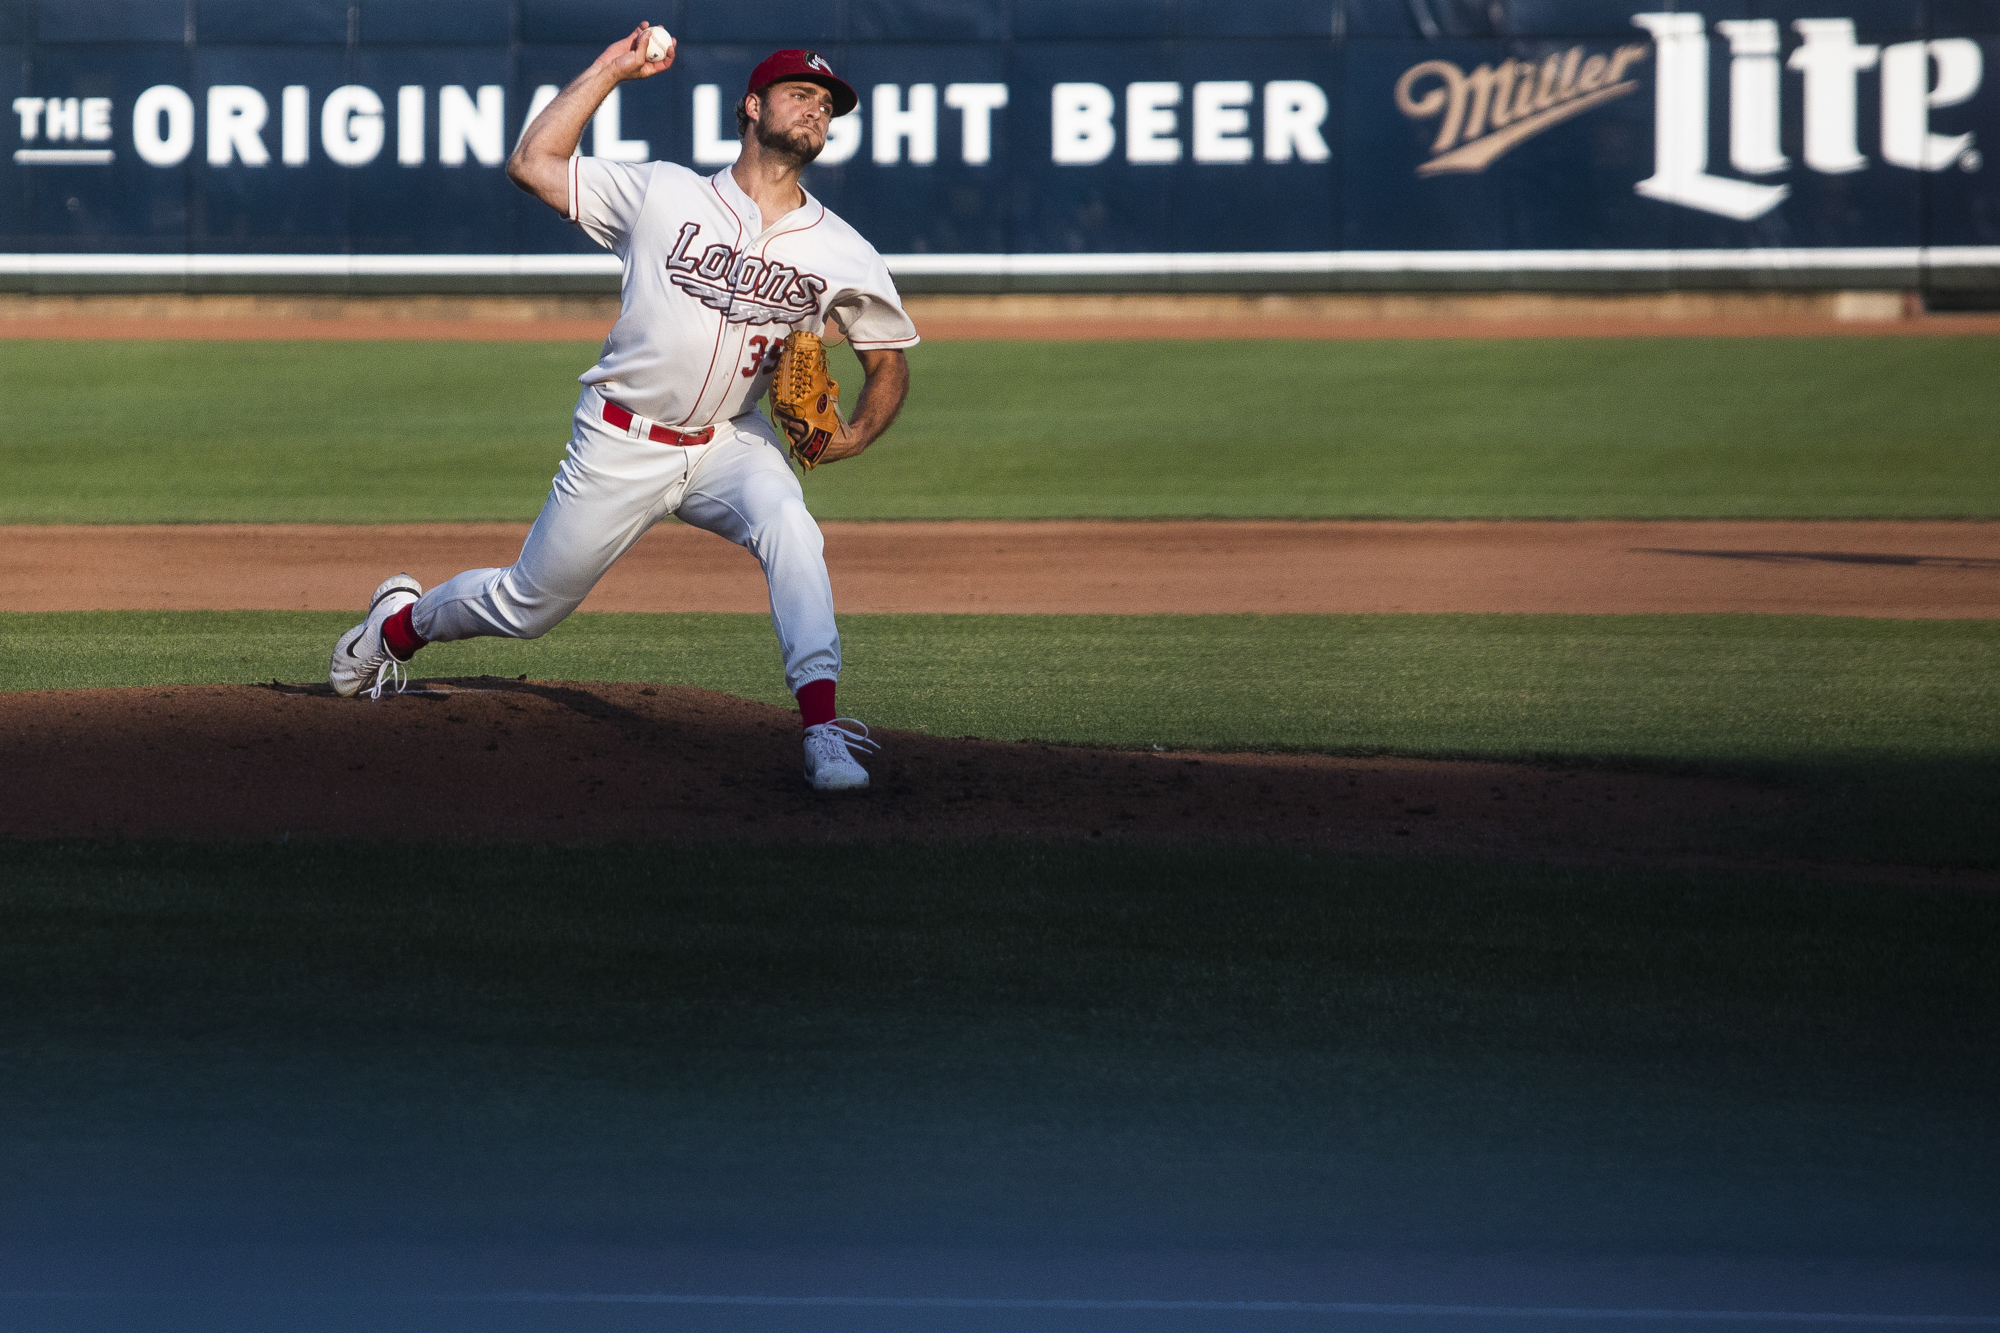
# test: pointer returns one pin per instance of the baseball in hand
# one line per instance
(658, 42)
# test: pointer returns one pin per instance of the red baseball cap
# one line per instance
(808, 67)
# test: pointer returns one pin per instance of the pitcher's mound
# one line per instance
(493, 760)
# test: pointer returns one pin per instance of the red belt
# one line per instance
(622, 419)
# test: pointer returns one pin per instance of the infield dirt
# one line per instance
(1917, 570)
(491, 760)
(505, 760)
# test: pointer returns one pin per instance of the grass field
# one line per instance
(1897, 723)
(1237, 1048)
(382, 432)
(1696, 691)
(990, 1046)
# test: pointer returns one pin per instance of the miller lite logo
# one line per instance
(1486, 112)
(1483, 113)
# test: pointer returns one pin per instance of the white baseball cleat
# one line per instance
(830, 748)
(361, 661)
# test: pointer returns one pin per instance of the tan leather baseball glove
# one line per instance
(805, 404)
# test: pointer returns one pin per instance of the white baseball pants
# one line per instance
(610, 490)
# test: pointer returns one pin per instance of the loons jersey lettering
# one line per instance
(746, 289)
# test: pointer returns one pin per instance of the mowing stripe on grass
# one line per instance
(1059, 1305)
(1725, 689)
(1896, 722)
(1640, 428)
(1246, 1307)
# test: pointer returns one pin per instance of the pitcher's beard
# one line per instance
(796, 145)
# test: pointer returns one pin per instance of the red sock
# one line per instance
(816, 702)
(400, 636)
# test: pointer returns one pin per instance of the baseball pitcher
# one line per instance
(729, 282)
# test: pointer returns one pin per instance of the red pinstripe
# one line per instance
(722, 323)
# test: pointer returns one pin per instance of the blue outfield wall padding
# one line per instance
(434, 22)
(110, 20)
(273, 22)
(1034, 143)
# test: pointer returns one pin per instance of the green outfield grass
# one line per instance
(990, 1045)
(1229, 1049)
(378, 432)
(1896, 722)
(1715, 689)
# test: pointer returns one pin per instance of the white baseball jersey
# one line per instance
(710, 290)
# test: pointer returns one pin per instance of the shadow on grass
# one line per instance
(1938, 812)
(990, 1044)
(1931, 813)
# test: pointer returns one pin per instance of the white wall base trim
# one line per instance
(1302, 263)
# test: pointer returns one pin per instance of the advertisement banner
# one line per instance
(216, 144)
